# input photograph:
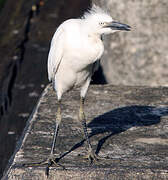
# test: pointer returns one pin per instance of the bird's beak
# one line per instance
(118, 26)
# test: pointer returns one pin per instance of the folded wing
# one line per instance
(55, 53)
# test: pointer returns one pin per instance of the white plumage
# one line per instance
(71, 56)
(75, 47)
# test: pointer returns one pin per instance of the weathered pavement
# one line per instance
(127, 124)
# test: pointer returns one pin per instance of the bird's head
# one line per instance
(100, 22)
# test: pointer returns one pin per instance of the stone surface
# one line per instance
(129, 125)
(138, 57)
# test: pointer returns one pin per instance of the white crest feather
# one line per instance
(94, 11)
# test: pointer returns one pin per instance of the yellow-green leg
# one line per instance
(51, 159)
(91, 155)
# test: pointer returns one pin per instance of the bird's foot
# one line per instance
(95, 159)
(92, 157)
(48, 163)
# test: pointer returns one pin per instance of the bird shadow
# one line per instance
(120, 120)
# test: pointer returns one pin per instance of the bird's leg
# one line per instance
(57, 123)
(91, 155)
(52, 159)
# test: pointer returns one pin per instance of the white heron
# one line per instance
(74, 55)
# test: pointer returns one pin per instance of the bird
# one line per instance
(75, 52)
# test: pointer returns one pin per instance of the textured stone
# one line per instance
(129, 125)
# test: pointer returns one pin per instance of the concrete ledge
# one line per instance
(127, 124)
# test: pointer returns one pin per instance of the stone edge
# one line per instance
(24, 135)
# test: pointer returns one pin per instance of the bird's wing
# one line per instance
(55, 53)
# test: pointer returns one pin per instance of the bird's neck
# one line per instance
(90, 31)
(94, 37)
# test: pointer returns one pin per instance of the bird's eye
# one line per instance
(102, 23)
